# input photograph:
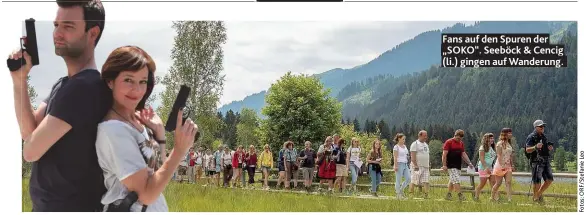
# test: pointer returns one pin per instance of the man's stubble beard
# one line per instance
(72, 50)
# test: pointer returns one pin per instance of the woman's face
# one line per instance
(402, 139)
(129, 88)
(266, 149)
(377, 145)
(491, 139)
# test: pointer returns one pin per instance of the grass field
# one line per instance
(184, 197)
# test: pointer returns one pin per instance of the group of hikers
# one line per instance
(95, 146)
(333, 161)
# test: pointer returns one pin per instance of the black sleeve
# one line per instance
(301, 154)
(76, 103)
(48, 97)
(530, 141)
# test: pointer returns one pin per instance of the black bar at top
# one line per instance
(299, 0)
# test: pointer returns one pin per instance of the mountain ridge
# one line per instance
(411, 56)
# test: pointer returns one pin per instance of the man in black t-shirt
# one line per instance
(308, 157)
(60, 136)
(539, 150)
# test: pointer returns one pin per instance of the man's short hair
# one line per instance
(94, 14)
(421, 133)
(460, 133)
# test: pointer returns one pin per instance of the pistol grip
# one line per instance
(14, 65)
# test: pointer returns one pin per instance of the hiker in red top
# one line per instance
(453, 154)
(238, 160)
(251, 160)
(191, 166)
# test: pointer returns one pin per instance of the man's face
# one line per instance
(540, 129)
(307, 145)
(458, 138)
(69, 35)
(423, 137)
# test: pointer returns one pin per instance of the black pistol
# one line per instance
(180, 102)
(28, 43)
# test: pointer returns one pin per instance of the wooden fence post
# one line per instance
(472, 177)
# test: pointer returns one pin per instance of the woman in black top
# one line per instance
(342, 170)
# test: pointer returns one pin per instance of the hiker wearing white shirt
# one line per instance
(199, 157)
(354, 162)
(209, 166)
(227, 165)
(420, 159)
(400, 156)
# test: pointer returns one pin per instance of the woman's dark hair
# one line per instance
(130, 58)
(376, 151)
(289, 143)
(503, 135)
(485, 142)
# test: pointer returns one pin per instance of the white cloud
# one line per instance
(256, 53)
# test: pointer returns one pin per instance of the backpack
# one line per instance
(529, 154)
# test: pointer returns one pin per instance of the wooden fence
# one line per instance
(470, 188)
